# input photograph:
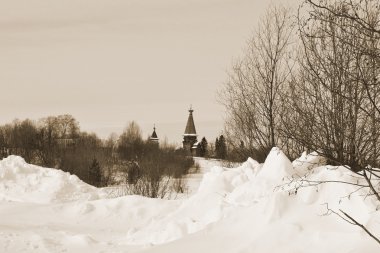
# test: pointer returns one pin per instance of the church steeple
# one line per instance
(190, 135)
(190, 126)
(154, 136)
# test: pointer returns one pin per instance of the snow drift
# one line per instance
(252, 208)
(23, 182)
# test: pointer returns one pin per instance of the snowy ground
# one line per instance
(194, 179)
(228, 210)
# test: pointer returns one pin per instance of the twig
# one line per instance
(354, 222)
(371, 186)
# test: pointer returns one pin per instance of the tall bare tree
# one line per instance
(334, 93)
(251, 95)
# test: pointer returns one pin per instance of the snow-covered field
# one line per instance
(243, 209)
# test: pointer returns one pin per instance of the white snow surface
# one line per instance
(23, 182)
(252, 208)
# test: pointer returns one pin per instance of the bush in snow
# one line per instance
(95, 174)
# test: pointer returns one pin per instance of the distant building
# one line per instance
(190, 142)
(154, 138)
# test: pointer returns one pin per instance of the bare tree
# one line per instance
(251, 96)
(334, 93)
(330, 95)
(68, 126)
(130, 143)
(326, 95)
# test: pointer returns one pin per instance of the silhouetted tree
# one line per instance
(130, 143)
(203, 147)
(221, 147)
(94, 173)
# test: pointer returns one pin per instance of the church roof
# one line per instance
(196, 144)
(190, 127)
(154, 134)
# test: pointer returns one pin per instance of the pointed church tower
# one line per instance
(154, 138)
(190, 135)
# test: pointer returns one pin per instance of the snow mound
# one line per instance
(219, 190)
(23, 182)
(277, 212)
(234, 210)
(307, 162)
(251, 203)
(276, 166)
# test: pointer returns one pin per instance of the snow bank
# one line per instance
(307, 162)
(23, 182)
(269, 189)
(256, 209)
(252, 208)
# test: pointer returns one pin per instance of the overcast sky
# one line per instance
(112, 61)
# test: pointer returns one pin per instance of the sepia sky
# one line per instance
(110, 62)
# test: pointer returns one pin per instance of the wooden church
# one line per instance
(154, 138)
(190, 141)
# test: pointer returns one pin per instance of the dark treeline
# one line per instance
(58, 142)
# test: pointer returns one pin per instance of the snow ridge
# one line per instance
(23, 182)
(234, 210)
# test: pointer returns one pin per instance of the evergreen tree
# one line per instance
(203, 147)
(94, 173)
(216, 147)
(221, 148)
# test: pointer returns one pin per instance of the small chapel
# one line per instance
(190, 141)
(154, 138)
